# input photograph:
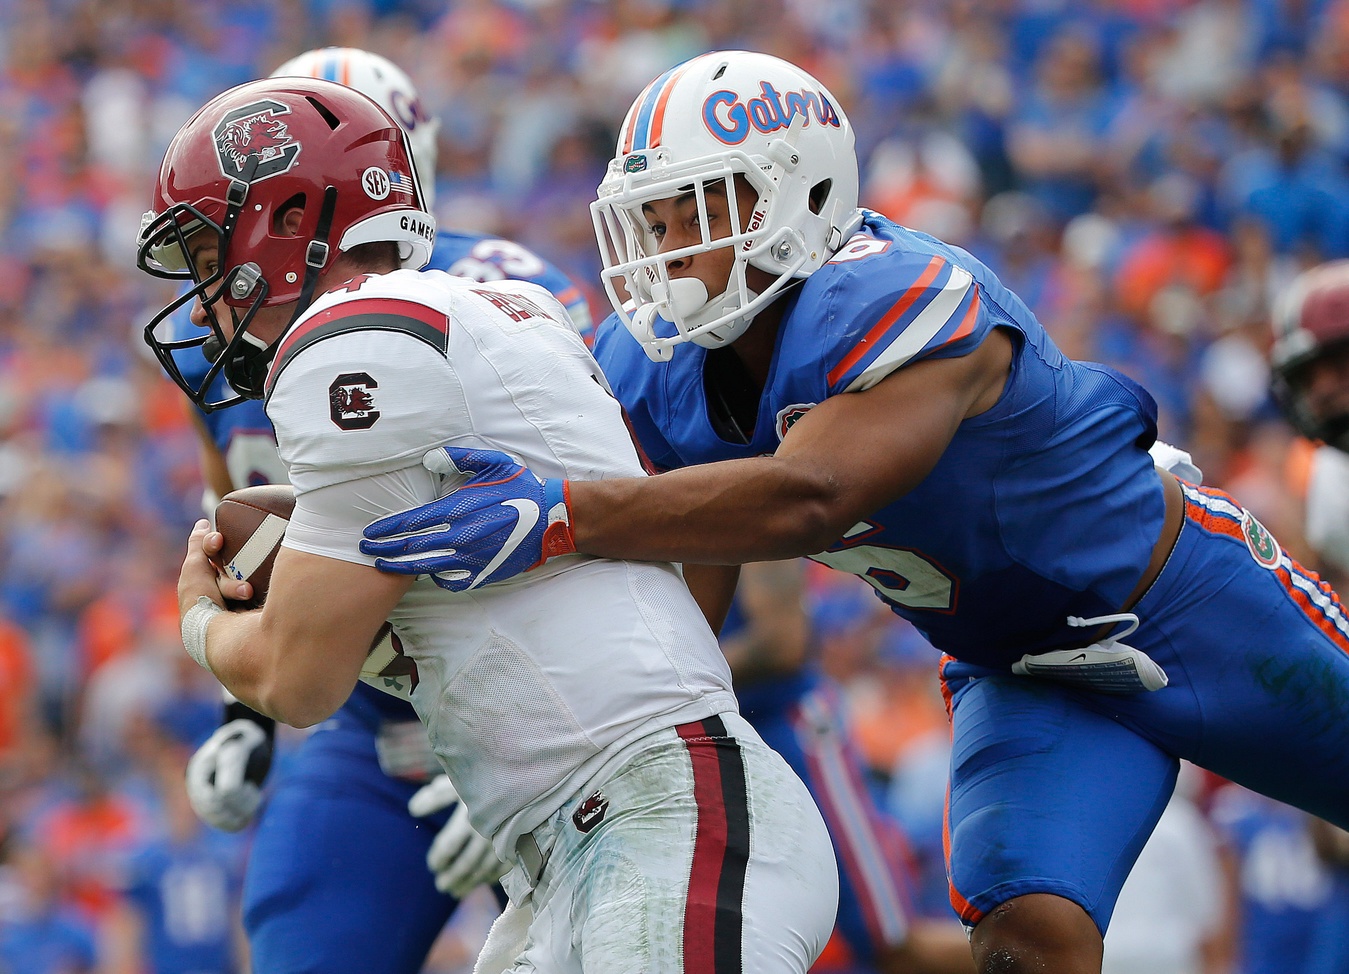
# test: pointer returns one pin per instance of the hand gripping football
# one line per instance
(253, 521)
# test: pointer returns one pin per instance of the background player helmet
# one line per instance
(1311, 321)
(704, 121)
(380, 79)
(233, 168)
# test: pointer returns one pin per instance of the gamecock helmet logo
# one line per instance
(255, 130)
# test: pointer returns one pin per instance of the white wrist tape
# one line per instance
(195, 623)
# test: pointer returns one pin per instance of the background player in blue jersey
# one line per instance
(830, 383)
(340, 856)
(796, 708)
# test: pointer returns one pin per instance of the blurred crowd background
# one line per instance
(1147, 174)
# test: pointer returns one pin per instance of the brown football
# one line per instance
(253, 521)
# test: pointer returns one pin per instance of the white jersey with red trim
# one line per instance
(530, 687)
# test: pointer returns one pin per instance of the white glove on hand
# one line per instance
(219, 787)
(460, 858)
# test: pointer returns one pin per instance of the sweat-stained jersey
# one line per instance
(980, 556)
(244, 436)
(530, 687)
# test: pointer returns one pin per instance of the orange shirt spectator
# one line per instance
(16, 686)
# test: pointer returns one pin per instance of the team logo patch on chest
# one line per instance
(351, 402)
(1264, 549)
(255, 130)
(590, 813)
(788, 415)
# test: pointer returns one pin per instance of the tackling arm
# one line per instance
(850, 455)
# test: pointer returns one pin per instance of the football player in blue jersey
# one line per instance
(340, 855)
(820, 381)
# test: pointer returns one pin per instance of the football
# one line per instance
(253, 521)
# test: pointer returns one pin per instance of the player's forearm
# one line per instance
(733, 512)
(232, 654)
(255, 666)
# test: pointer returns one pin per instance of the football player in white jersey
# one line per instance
(367, 764)
(585, 714)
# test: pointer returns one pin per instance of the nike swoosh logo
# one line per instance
(528, 516)
(1078, 658)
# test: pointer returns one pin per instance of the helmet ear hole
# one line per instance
(281, 215)
(819, 193)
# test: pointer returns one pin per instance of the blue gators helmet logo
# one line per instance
(729, 117)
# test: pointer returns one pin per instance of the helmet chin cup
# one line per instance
(675, 300)
(682, 297)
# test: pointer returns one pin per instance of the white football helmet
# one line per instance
(707, 120)
(380, 79)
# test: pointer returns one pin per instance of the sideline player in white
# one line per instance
(585, 714)
(1310, 362)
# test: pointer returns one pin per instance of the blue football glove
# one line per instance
(503, 520)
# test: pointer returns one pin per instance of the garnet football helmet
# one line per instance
(232, 171)
(701, 124)
(392, 90)
(1311, 322)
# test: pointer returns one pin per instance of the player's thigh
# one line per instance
(1272, 687)
(1257, 650)
(710, 857)
(1047, 795)
(336, 864)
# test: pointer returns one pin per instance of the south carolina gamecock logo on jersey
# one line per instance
(255, 130)
(350, 403)
(1264, 549)
(590, 813)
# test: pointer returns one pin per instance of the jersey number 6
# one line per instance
(902, 576)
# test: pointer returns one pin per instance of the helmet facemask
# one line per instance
(242, 357)
(1289, 386)
(1311, 332)
(631, 253)
(165, 251)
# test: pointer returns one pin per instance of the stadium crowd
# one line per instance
(1147, 174)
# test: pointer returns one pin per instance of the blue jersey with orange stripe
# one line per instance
(1040, 508)
(245, 437)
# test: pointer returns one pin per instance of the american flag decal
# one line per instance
(399, 183)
